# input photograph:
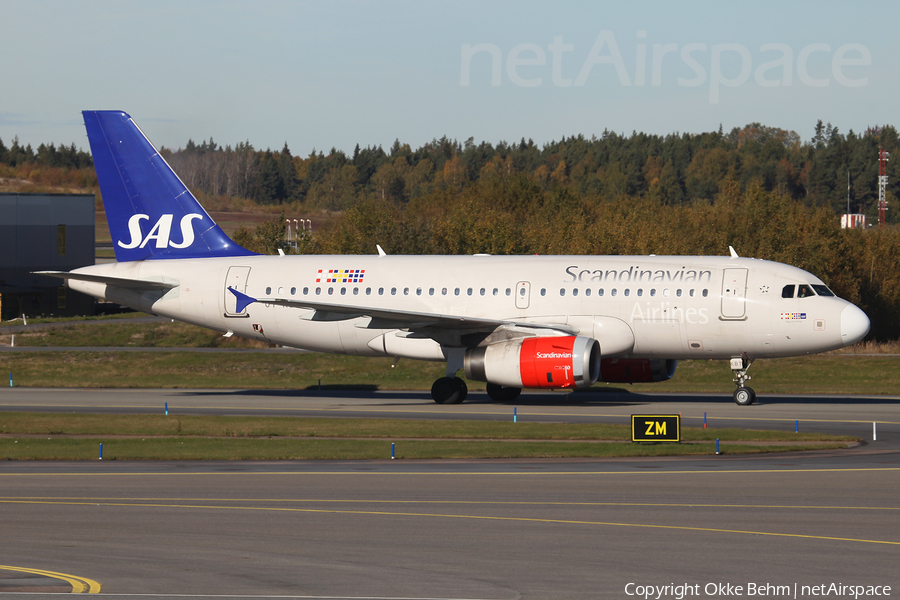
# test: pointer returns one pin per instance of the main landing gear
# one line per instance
(743, 395)
(449, 390)
(453, 390)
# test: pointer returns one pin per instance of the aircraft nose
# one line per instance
(854, 325)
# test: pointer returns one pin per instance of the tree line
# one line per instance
(831, 170)
(48, 155)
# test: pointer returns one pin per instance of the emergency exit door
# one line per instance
(523, 294)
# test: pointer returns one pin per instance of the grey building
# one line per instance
(44, 232)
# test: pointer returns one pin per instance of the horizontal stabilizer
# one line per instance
(122, 282)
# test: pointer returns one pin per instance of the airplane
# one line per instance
(514, 322)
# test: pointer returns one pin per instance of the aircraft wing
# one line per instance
(164, 283)
(391, 318)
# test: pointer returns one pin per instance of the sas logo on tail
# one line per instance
(160, 231)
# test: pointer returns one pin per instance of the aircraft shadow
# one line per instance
(605, 397)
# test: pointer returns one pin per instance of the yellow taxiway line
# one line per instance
(80, 585)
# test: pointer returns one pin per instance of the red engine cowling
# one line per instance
(537, 362)
(636, 370)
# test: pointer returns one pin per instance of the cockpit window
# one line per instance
(788, 291)
(823, 290)
(804, 291)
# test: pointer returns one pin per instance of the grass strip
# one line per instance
(188, 437)
(175, 448)
(98, 318)
(68, 424)
(827, 374)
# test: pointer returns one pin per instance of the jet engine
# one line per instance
(636, 370)
(536, 362)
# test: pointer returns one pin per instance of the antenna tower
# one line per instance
(882, 184)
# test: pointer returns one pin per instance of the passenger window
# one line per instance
(305, 291)
(787, 291)
(331, 291)
(406, 291)
(443, 291)
(613, 292)
(575, 292)
(281, 291)
(678, 292)
(562, 291)
(509, 291)
(627, 291)
(343, 291)
(393, 291)
(496, 291)
(600, 292)
(481, 291)
(418, 291)
(640, 291)
(268, 291)
(431, 291)
(587, 292)
(456, 292)
(469, 291)
(293, 291)
(691, 294)
(355, 291)
(543, 291)
(381, 291)
(705, 293)
(804, 291)
(318, 291)
(368, 291)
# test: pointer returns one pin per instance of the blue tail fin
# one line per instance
(144, 198)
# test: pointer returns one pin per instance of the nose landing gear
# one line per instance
(743, 395)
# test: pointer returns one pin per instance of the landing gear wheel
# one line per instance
(744, 396)
(449, 390)
(501, 393)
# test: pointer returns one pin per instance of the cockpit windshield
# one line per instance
(805, 291)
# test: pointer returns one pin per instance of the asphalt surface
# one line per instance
(464, 529)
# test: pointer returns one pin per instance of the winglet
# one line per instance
(733, 253)
(242, 300)
(381, 251)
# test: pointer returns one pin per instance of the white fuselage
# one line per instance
(679, 307)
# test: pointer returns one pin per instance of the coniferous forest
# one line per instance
(760, 189)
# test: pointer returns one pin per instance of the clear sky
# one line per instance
(334, 74)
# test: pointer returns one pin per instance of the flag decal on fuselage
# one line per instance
(341, 275)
